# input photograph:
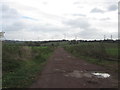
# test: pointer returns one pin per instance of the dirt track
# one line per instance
(65, 71)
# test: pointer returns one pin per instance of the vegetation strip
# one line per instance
(22, 64)
(105, 54)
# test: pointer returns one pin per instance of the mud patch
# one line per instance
(92, 82)
(69, 56)
(79, 74)
(59, 70)
(58, 59)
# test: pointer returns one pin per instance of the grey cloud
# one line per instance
(103, 19)
(9, 13)
(47, 28)
(11, 19)
(90, 33)
(76, 2)
(13, 23)
(79, 15)
(97, 10)
(45, 3)
(78, 23)
(94, 33)
(112, 8)
(14, 26)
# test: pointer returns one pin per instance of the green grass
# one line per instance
(112, 51)
(97, 53)
(111, 65)
(20, 70)
(22, 77)
(95, 49)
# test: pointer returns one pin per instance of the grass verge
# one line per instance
(22, 65)
(93, 55)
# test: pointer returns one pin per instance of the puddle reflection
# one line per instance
(101, 75)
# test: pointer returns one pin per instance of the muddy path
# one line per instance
(66, 71)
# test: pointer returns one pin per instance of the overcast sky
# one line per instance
(59, 19)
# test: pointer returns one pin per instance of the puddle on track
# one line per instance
(80, 74)
(101, 75)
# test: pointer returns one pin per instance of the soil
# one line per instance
(66, 71)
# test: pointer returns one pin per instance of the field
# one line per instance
(102, 53)
(21, 64)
